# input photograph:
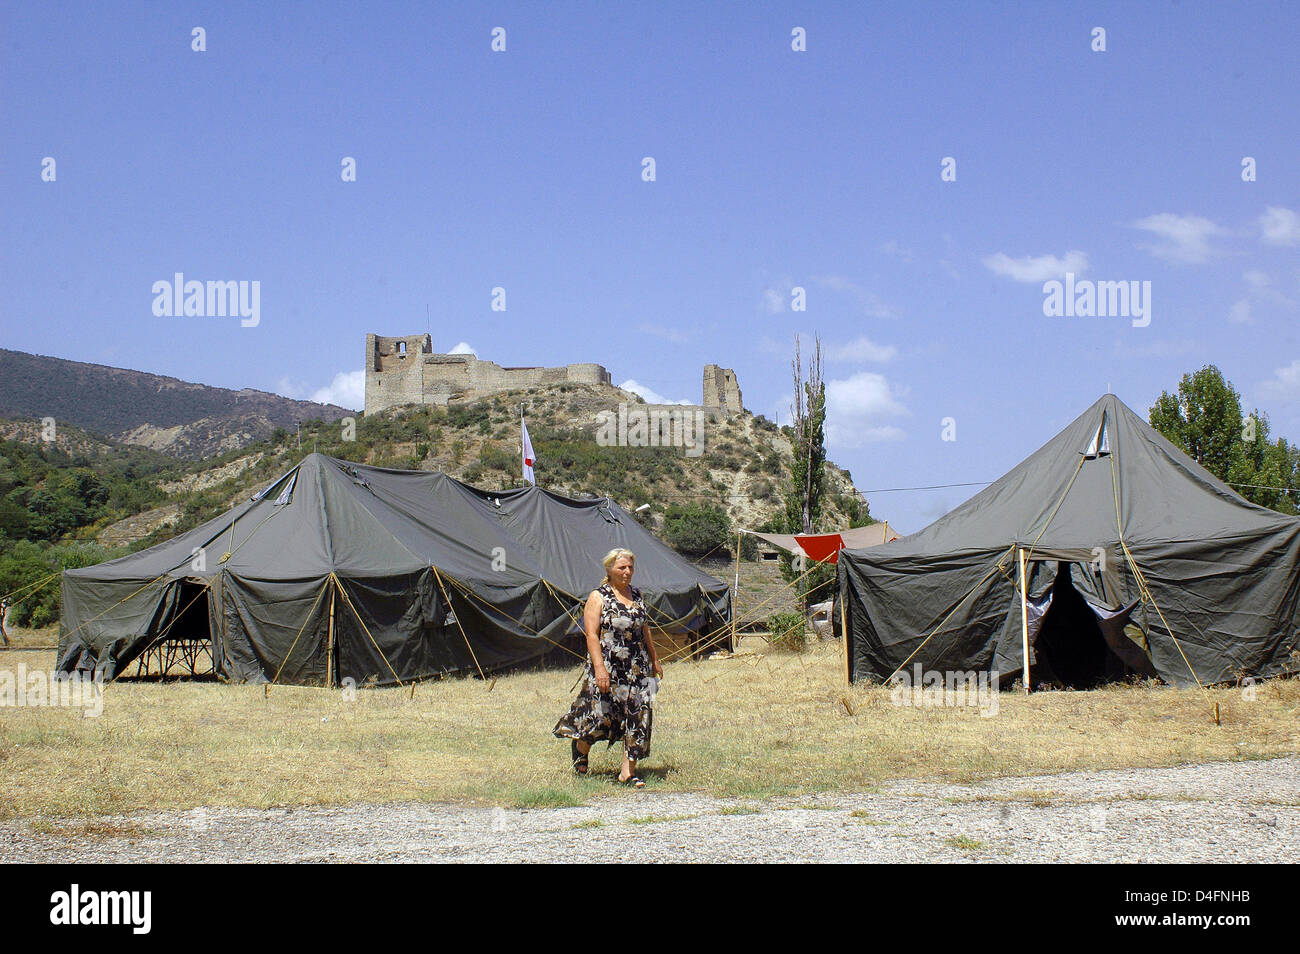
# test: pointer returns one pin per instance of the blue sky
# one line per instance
(774, 169)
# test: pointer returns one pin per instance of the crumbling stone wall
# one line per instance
(405, 370)
(722, 390)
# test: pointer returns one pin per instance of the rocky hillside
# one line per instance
(742, 465)
(144, 493)
(68, 445)
(178, 418)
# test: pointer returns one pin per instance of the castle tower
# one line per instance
(722, 390)
(395, 370)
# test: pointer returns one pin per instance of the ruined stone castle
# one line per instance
(405, 370)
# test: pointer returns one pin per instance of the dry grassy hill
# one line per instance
(743, 468)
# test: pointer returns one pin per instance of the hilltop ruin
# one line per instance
(405, 370)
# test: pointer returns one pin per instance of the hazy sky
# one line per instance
(774, 170)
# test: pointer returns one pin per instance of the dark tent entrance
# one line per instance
(180, 641)
(1067, 647)
(1075, 640)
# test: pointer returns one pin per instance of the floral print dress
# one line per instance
(626, 712)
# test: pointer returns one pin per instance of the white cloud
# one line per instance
(872, 305)
(464, 347)
(858, 409)
(1284, 384)
(673, 335)
(1259, 287)
(774, 301)
(348, 389)
(1257, 280)
(1037, 269)
(861, 349)
(287, 387)
(1185, 238)
(1240, 312)
(897, 251)
(1279, 226)
(649, 395)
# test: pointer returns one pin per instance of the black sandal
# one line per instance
(579, 760)
(632, 780)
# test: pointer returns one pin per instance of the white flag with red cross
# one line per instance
(529, 457)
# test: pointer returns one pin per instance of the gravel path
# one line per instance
(1221, 812)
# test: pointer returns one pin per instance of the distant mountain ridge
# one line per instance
(179, 418)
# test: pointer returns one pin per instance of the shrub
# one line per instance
(695, 528)
(786, 632)
(466, 415)
(492, 457)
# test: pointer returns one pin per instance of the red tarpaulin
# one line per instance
(826, 547)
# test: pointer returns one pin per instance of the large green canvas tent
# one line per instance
(340, 570)
(1137, 561)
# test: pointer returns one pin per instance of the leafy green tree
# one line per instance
(22, 568)
(696, 528)
(803, 504)
(803, 501)
(1205, 420)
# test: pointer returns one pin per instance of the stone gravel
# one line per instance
(1218, 812)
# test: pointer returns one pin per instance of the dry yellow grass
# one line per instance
(750, 726)
(21, 637)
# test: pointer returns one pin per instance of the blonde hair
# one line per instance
(617, 554)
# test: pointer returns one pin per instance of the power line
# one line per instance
(1263, 487)
(890, 490)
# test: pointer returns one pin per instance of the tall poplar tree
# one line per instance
(803, 500)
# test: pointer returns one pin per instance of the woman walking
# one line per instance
(622, 674)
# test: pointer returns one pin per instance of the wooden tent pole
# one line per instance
(844, 638)
(1024, 618)
(329, 652)
(735, 598)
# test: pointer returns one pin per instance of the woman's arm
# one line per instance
(591, 627)
(650, 648)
